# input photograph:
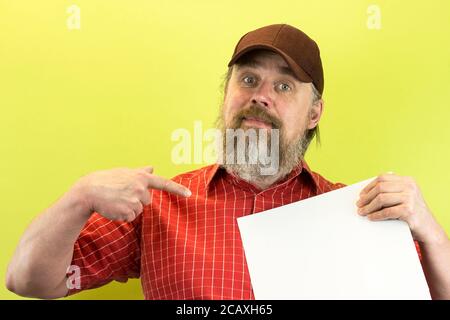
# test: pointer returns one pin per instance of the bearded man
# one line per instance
(180, 236)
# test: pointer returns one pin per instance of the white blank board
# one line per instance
(320, 248)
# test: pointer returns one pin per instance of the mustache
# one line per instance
(255, 111)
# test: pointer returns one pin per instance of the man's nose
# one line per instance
(263, 95)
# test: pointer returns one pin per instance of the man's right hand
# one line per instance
(121, 194)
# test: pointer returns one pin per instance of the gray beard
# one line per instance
(290, 155)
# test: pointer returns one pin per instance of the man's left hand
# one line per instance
(390, 196)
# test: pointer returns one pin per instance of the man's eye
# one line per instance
(248, 80)
(284, 87)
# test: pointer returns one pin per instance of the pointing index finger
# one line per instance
(168, 185)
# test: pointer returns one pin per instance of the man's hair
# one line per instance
(315, 98)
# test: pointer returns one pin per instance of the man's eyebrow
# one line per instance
(250, 64)
(255, 64)
(287, 71)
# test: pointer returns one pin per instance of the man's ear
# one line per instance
(315, 113)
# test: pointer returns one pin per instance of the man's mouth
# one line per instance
(257, 122)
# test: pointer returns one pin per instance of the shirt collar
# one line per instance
(215, 171)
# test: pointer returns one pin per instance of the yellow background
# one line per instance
(111, 93)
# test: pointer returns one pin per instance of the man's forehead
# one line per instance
(265, 59)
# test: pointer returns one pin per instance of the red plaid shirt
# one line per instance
(187, 248)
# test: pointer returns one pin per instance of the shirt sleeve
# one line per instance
(104, 251)
(337, 185)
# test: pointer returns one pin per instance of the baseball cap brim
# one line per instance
(298, 71)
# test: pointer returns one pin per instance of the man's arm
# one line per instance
(394, 197)
(436, 264)
(39, 265)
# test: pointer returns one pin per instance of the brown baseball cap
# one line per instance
(299, 51)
